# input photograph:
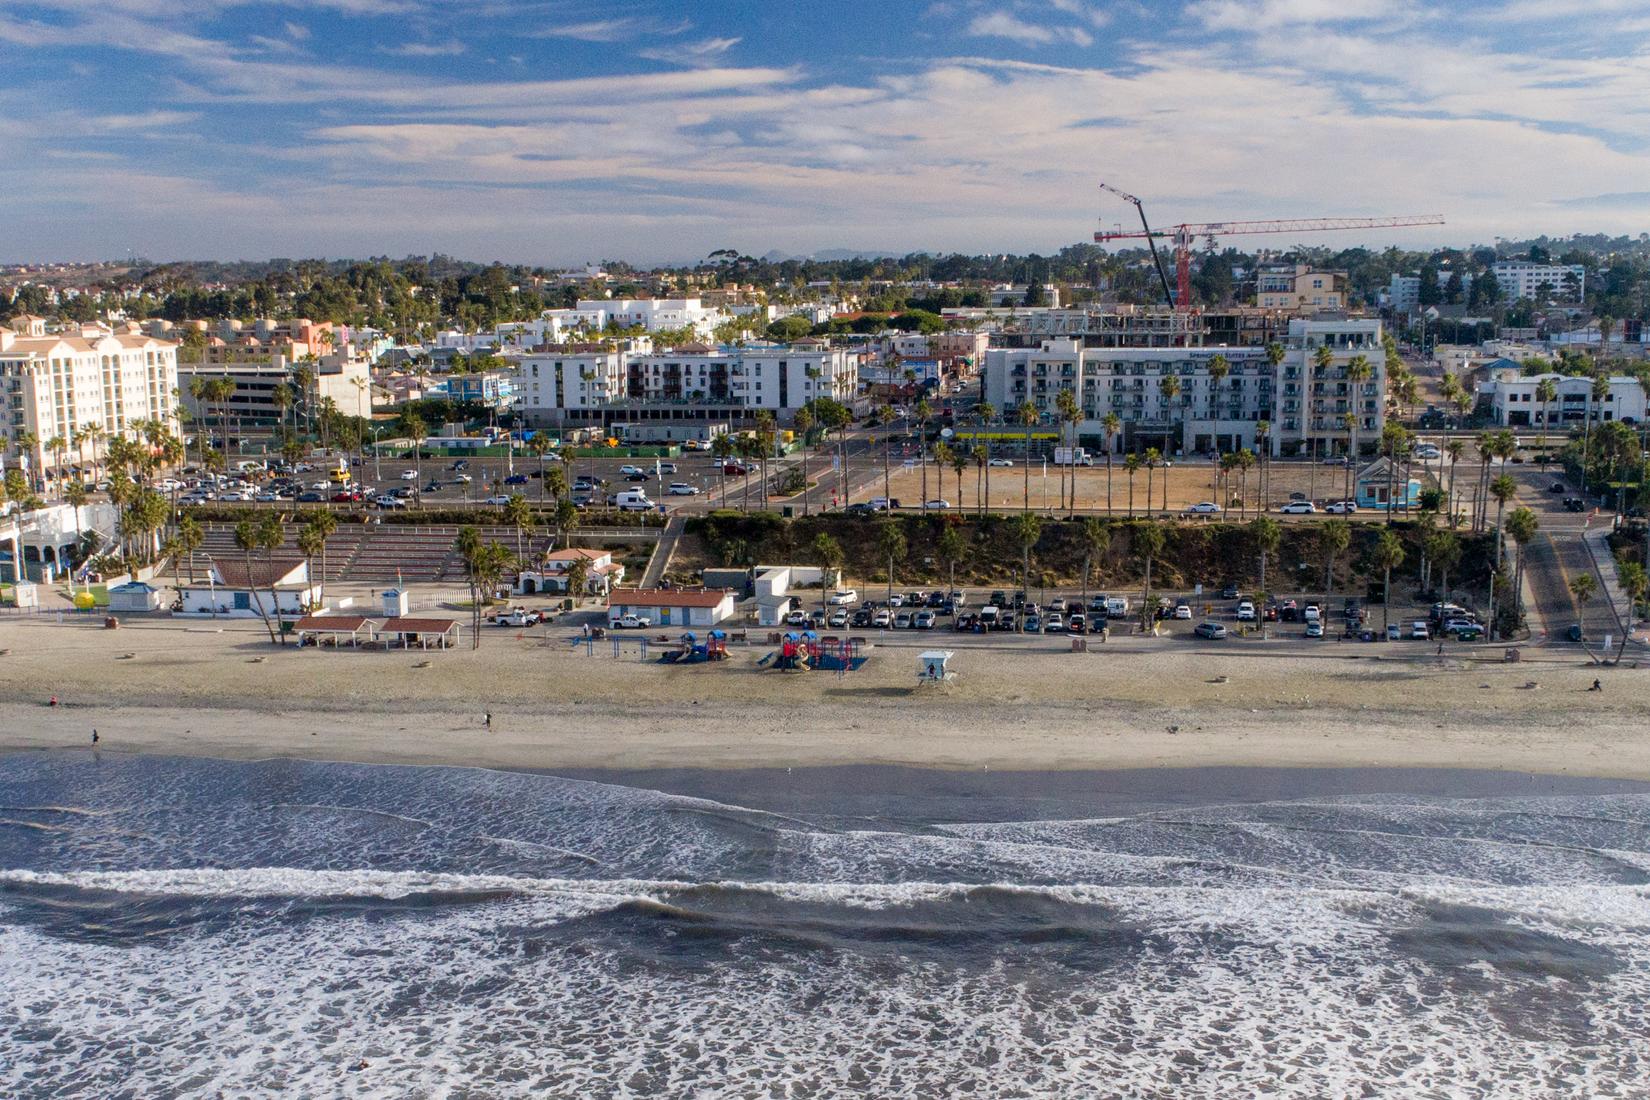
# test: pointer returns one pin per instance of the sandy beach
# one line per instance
(166, 687)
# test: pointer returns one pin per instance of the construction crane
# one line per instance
(1185, 235)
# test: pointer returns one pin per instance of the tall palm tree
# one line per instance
(1322, 359)
(1131, 465)
(986, 414)
(1480, 504)
(723, 447)
(1096, 541)
(1146, 538)
(1599, 391)
(1027, 416)
(518, 514)
(981, 456)
(1455, 448)
(1263, 453)
(1333, 538)
(828, 553)
(959, 463)
(326, 522)
(1267, 534)
(1153, 457)
(891, 546)
(804, 422)
(1522, 526)
(1389, 555)
(1070, 412)
(923, 411)
(1546, 392)
(952, 548)
(1503, 489)
(1111, 424)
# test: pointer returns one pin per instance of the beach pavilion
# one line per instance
(440, 633)
(335, 630)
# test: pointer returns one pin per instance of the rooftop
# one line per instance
(668, 597)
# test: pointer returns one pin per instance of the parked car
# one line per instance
(862, 617)
(1341, 507)
(1288, 611)
(1203, 508)
(389, 503)
(1054, 624)
(837, 619)
(1314, 628)
(1469, 633)
(516, 479)
(518, 616)
(683, 489)
(1558, 487)
(797, 618)
(667, 467)
(1394, 632)
(860, 508)
(632, 622)
(936, 505)
(734, 469)
(936, 599)
(882, 617)
(1299, 508)
(896, 600)
(1004, 463)
(1034, 624)
(1419, 632)
(635, 477)
(409, 475)
(1246, 612)
(1574, 504)
(1209, 630)
(628, 469)
(1077, 623)
(1183, 610)
(308, 496)
(902, 621)
(843, 596)
(497, 500)
(460, 464)
(1231, 592)
(923, 620)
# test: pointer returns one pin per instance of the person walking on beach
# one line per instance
(487, 719)
(94, 737)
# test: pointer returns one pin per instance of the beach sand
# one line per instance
(167, 687)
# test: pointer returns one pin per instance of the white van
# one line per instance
(988, 616)
(633, 500)
(1116, 607)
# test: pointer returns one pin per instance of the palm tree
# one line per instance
(1546, 392)
(312, 543)
(326, 522)
(723, 447)
(1069, 412)
(942, 459)
(248, 538)
(1267, 534)
(1635, 581)
(1389, 554)
(923, 411)
(484, 565)
(1153, 457)
(567, 521)
(959, 463)
(828, 553)
(952, 548)
(1454, 448)
(1480, 508)
(1147, 540)
(577, 578)
(1131, 465)
(518, 514)
(1028, 528)
(1263, 453)
(1582, 589)
(1027, 415)
(892, 546)
(539, 444)
(764, 439)
(1503, 489)
(1333, 538)
(804, 422)
(1522, 525)
(1096, 541)
(186, 539)
(982, 476)
(1111, 424)
(1600, 390)
(414, 428)
(1322, 359)
(75, 496)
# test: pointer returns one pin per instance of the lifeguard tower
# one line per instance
(933, 667)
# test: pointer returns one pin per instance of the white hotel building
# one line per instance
(1516, 402)
(1522, 279)
(1305, 405)
(57, 384)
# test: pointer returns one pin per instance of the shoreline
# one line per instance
(154, 688)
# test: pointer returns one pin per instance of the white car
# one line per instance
(1008, 462)
(843, 596)
(797, 618)
(936, 505)
(461, 479)
(1183, 611)
(882, 618)
(1245, 612)
(632, 622)
(1428, 452)
(1203, 508)
(683, 489)
(1299, 508)
(409, 475)
(896, 600)
(497, 500)
(1341, 508)
(631, 470)
(838, 619)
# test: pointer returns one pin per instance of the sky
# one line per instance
(561, 132)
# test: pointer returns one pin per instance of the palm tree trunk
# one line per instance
(1108, 480)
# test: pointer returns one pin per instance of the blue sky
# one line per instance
(560, 132)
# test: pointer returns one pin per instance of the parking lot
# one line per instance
(1228, 615)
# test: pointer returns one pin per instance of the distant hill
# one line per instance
(829, 255)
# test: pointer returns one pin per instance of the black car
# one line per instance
(311, 497)
(860, 618)
(1574, 504)
(1558, 487)
(998, 598)
(936, 599)
(516, 479)
(860, 508)
(635, 477)
(1230, 592)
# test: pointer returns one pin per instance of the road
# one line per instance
(1555, 557)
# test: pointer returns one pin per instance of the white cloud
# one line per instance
(424, 49)
(1249, 15)
(704, 52)
(622, 29)
(1000, 24)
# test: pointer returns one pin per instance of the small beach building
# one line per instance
(232, 590)
(134, 596)
(334, 630)
(424, 633)
(1372, 487)
(602, 575)
(672, 606)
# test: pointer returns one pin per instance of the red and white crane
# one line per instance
(1185, 234)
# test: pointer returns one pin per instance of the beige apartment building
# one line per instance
(1299, 288)
(57, 384)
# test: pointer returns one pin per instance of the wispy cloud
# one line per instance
(704, 52)
(424, 49)
(624, 29)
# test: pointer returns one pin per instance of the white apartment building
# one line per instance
(342, 377)
(1522, 279)
(1517, 404)
(1304, 404)
(58, 384)
(654, 314)
(550, 385)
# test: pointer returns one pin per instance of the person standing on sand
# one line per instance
(487, 719)
(94, 737)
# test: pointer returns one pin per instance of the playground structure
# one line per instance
(805, 650)
(690, 650)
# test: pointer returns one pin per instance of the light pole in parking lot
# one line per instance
(377, 471)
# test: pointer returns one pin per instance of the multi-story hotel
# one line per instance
(1305, 405)
(58, 384)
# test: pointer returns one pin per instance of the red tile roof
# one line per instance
(417, 626)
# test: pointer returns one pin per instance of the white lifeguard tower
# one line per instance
(932, 667)
(395, 603)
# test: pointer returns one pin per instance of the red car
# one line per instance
(346, 496)
(734, 468)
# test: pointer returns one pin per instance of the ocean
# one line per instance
(180, 927)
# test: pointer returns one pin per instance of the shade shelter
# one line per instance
(335, 630)
(440, 633)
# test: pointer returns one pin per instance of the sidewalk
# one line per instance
(1596, 539)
